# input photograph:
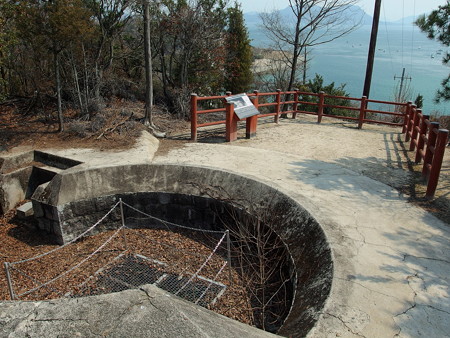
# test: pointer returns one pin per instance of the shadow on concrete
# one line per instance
(417, 253)
(343, 175)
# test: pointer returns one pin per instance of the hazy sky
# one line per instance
(391, 9)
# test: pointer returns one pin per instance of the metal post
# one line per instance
(8, 278)
(229, 256)
(123, 225)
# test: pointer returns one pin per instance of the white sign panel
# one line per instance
(243, 107)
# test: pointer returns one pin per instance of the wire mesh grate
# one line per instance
(133, 271)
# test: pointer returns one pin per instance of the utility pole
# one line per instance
(402, 78)
(372, 46)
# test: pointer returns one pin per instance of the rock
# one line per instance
(25, 210)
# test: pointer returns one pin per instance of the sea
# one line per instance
(399, 46)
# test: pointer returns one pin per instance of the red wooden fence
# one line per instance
(429, 142)
(276, 101)
(425, 136)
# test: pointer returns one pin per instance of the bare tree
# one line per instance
(314, 22)
(148, 119)
(258, 254)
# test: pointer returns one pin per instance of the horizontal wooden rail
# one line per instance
(295, 102)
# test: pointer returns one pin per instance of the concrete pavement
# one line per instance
(391, 258)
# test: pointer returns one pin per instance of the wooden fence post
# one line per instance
(406, 117)
(362, 111)
(294, 107)
(252, 121)
(439, 151)
(194, 100)
(432, 137)
(320, 106)
(409, 127)
(231, 123)
(421, 141)
(278, 106)
(415, 125)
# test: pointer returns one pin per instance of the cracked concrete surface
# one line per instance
(392, 271)
(147, 312)
(391, 258)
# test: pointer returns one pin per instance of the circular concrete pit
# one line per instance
(203, 198)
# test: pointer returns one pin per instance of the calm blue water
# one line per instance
(344, 61)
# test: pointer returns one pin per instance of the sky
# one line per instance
(391, 10)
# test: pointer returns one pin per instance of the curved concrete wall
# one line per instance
(300, 232)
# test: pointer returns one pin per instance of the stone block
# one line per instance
(25, 210)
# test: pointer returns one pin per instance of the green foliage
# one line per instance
(238, 73)
(419, 101)
(437, 27)
(317, 85)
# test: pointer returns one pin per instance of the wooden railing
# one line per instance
(296, 102)
(429, 142)
(424, 136)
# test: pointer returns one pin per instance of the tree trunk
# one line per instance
(77, 86)
(296, 52)
(305, 61)
(148, 66)
(58, 91)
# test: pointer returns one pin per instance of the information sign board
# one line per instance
(243, 107)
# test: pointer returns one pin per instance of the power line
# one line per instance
(403, 27)
(387, 38)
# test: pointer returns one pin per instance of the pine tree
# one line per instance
(238, 74)
(437, 27)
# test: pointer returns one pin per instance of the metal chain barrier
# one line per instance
(128, 258)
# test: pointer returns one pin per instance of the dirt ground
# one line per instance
(117, 127)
